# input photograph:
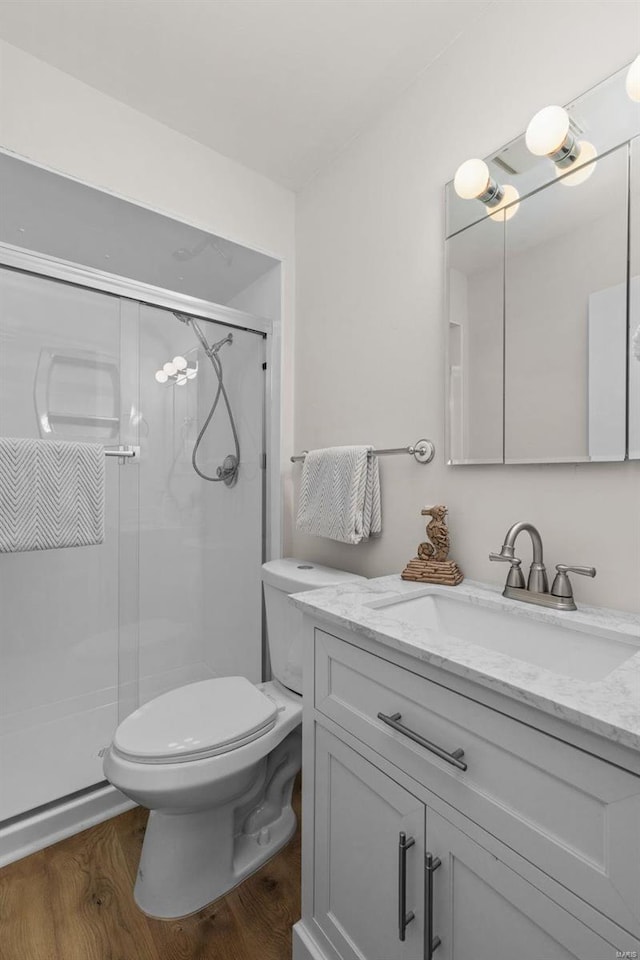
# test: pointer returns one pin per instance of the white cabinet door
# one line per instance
(360, 817)
(483, 910)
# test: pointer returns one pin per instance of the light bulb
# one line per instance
(587, 152)
(547, 131)
(191, 372)
(161, 376)
(181, 380)
(632, 82)
(472, 179)
(509, 196)
(179, 363)
(169, 368)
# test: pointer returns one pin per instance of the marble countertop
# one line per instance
(609, 706)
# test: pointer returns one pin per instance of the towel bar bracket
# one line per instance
(424, 451)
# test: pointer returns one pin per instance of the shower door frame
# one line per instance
(34, 830)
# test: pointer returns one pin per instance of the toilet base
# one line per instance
(193, 858)
(162, 904)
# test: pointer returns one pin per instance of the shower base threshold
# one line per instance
(46, 825)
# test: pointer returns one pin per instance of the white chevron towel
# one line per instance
(51, 494)
(340, 494)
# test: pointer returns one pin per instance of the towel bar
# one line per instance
(422, 450)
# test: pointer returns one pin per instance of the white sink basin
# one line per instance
(574, 650)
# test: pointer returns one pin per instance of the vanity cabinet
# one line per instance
(538, 841)
(478, 907)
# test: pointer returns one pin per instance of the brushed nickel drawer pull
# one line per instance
(404, 918)
(453, 758)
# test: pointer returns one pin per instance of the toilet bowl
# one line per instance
(215, 761)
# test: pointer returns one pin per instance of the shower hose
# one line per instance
(228, 472)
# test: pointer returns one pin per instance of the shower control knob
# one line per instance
(228, 472)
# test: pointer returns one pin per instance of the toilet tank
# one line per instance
(281, 578)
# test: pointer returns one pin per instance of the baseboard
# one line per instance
(35, 831)
(304, 946)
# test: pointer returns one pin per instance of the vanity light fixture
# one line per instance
(632, 82)
(473, 181)
(549, 134)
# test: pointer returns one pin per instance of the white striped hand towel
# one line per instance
(51, 494)
(340, 494)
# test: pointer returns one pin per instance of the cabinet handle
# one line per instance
(404, 918)
(452, 758)
(431, 865)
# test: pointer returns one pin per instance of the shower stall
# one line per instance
(173, 595)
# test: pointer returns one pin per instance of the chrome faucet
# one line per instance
(537, 588)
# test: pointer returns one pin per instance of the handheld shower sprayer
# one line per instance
(208, 348)
(228, 472)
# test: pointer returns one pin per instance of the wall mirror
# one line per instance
(543, 289)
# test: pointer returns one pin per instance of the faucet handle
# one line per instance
(562, 585)
(584, 571)
(515, 577)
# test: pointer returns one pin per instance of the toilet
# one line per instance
(214, 761)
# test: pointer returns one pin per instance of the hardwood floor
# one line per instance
(74, 901)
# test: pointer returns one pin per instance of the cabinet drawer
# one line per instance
(573, 815)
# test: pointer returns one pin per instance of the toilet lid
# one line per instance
(196, 721)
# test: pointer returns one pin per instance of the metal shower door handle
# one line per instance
(404, 918)
(123, 452)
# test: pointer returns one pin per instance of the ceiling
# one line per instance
(278, 85)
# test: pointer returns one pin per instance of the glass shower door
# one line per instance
(59, 609)
(173, 595)
(200, 547)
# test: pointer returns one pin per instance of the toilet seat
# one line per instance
(196, 721)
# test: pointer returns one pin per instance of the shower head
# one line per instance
(210, 350)
(221, 343)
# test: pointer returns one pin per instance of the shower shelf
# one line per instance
(84, 420)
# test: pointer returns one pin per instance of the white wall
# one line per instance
(56, 121)
(369, 318)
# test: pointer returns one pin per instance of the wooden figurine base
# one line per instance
(445, 572)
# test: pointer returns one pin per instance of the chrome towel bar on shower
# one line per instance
(422, 450)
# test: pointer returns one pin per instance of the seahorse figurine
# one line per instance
(432, 565)
(438, 533)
